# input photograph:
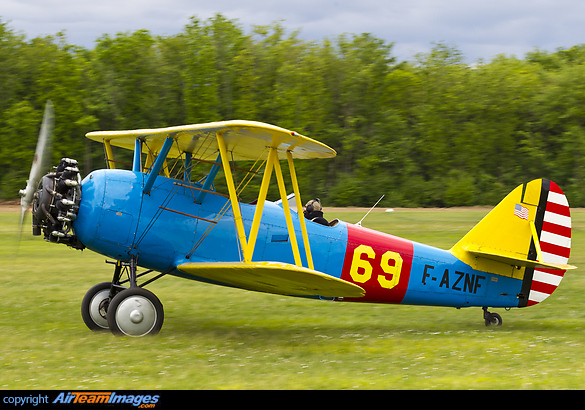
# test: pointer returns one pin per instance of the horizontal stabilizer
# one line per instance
(511, 260)
(273, 277)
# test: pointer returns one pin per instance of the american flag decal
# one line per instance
(521, 212)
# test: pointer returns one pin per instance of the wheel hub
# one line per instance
(98, 308)
(136, 316)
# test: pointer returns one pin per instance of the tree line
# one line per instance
(434, 131)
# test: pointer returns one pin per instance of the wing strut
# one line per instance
(293, 177)
(109, 154)
(137, 162)
(248, 244)
(158, 164)
(233, 196)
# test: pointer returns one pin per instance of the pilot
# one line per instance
(313, 211)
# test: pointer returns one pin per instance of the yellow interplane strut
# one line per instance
(260, 203)
(293, 177)
(289, 223)
(272, 163)
(109, 154)
(233, 196)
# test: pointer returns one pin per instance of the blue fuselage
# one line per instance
(171, 225)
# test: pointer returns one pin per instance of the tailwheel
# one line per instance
(95, 305)
(135, 312)
(491, 319)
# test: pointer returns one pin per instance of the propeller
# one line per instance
(40, 162)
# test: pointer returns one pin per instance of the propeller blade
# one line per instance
(41, 159)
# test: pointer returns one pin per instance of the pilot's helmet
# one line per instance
(313, 205)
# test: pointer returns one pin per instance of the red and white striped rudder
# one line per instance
(555, 243)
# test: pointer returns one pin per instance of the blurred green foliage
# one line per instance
(430, 132)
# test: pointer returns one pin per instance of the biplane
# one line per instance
(155, 219)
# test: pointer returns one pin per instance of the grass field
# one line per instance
(220, 338)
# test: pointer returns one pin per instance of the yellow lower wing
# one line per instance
(273, 277)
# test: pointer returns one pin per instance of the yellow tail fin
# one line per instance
(526, 236)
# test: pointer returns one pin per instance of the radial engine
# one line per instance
(56, 204)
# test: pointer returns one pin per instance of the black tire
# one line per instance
(135, 312)
(494, 320)
(95, 305)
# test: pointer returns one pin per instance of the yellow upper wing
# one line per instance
(246, 140)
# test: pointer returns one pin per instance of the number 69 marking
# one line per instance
(362, 270)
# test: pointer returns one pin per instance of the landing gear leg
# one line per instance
(491, 319)
(134, 311)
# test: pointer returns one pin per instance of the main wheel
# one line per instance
(95, 305)
(135, 312)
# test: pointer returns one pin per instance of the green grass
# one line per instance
(220, 338)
